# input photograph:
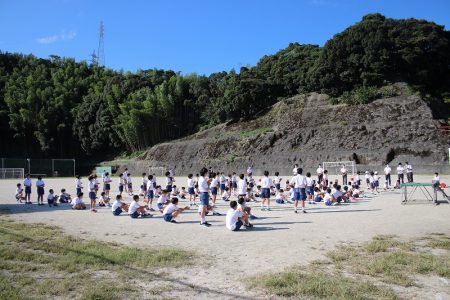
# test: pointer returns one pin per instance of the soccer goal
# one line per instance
(334, 167)
(12, 173)
(158, 171)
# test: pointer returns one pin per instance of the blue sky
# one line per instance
(201, 36)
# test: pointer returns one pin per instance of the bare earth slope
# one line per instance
(308, 130)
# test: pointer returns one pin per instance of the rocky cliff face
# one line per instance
(307, 130)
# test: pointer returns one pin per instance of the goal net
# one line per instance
(158, 171)
(334, 167)
(12, 173)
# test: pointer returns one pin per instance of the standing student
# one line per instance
(266, 185)
(241, 186)
(310, 188)
(92, 196)
(294, 170)
(78, 184)
(96, 184)
(144, 185)
(27, 183)
(121, 183)
(129, 184)
(298, 182)
(191, 189)
(319, 172)
(387, 175)
(233, 183)
(234, 217)
(40, 190)
(213, 187)
(400, 171)
(203, 187)
(367, 178)
(222, 181)
(250, 170)
(125, 179)
(169, 182)
(344, 175)
(150, 192)
(409, 172)
(172, 211)
(107, 183)
(277, 181)
(325, 178)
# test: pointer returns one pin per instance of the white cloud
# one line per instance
(57, 37)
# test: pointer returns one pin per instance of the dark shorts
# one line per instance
(168, 217)
(265, 193)
(118, 211)
(277, 186)
(214, 190)
(309, 190)
(317, 199)
(28, 190)
(130, 186)
(238, 225)
(191, 191)
(234, 185)
(169, 188)
(222, 186)
(367, 181)
(160, 205)
(107, 187)
(40, 191)
(92, 195)
(299, 194)
(78, 190)
(121, 188)
(204, 199)
(150, 194)
(50, 201)
(134, 215)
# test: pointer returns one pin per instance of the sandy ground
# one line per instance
(279, 239)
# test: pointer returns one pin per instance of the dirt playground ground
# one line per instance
(280, 238)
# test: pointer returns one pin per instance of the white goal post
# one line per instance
(12, 173)
(158, 171)
(334, 167)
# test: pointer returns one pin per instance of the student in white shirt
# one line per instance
(51, 199)
(310, 188)
(172, 211)
(266, 185)
(299, 184)
(78, 184)
(344, 175)
(19, 193)
(409, 172)
(135, 209)
(233, 219)
(387, 174)
(121, 183)
(327, 198)
(203, 188)
(277, 181)
(191, 189)
(92, 196)
(241, 186)
(118, 206)
(225, 195)
(64, 197)
(213, 187)
(233, 183)
(40, 190)
(250, 170)
(319, 172)
(27, 184)
(246, 212)
(77, 202)
(367, 177)
(325, 178)
(150, 192)
(294, 170)
(400, 171)
(129, 184)
(144, 185)
(169, 182)
(107, 183)
(336, 197)
(163, 200)
(223, 182)
(125, 179)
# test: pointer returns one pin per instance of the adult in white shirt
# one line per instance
(387, 174)
(409, 172)
(233, 219)
(319, 172)
(203, 187)
(400, 171)
(172, 211)
(299, 184)
(344, 175)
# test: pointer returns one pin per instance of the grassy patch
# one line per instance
(363, 271)
(255, 132)
(41, 261)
